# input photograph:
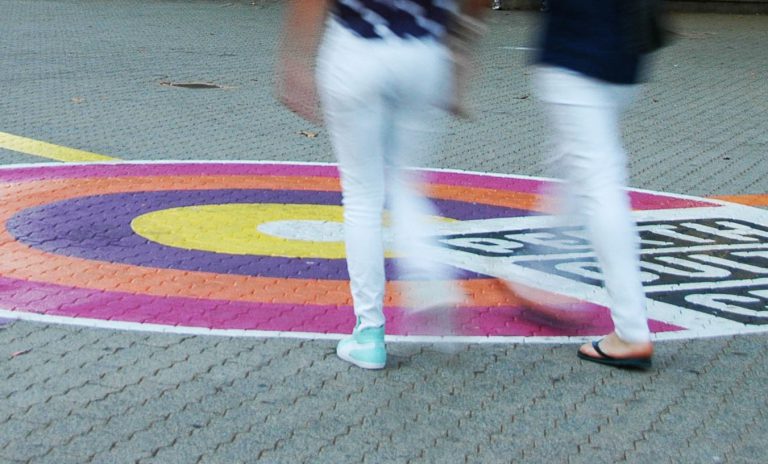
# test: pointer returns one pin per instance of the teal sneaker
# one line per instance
(364, 348)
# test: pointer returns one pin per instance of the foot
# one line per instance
(557, 310)
(433, 305)
(364, 348)
(431, 295)
(614, 351)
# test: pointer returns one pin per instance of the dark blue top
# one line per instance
(377, 19)
(590, 37)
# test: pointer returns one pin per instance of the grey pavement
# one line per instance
(90, 74)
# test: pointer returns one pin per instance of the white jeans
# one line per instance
(588, 154)
(381, 102)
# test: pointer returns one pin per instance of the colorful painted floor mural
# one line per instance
(256, 249)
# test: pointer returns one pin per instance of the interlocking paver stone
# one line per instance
(88, 75)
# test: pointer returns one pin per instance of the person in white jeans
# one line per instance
(384, 78)
(588, 69)
(382, 102)
(584, 114)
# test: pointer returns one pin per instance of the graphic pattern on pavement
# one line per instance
(256, 249)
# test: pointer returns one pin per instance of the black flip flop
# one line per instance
(608, 360)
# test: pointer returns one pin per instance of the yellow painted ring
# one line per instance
(238, 228)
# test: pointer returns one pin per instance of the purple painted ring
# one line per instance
(99, 228)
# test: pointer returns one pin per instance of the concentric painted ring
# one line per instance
(72, 252)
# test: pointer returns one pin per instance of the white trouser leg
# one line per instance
(588, 153)
(422, 78)
(379, 103)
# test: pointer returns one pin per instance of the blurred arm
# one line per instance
(302, 31)
(474, 8)
(463, 33)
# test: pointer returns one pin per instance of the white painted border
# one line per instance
(239, 333)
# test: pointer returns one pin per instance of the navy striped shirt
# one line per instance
(378, 19)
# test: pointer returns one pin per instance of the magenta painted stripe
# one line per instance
(506, 321)
(177, 169)
(640, 200)
(49, 299)
(651, 201)
(484, 181)
(57, 300)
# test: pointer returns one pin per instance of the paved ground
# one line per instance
(91, 75)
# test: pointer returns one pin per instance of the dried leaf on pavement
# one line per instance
(308, 134)
(19, 353)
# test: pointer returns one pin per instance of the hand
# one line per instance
(458, 104)
(464, 31)
(296, 89)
